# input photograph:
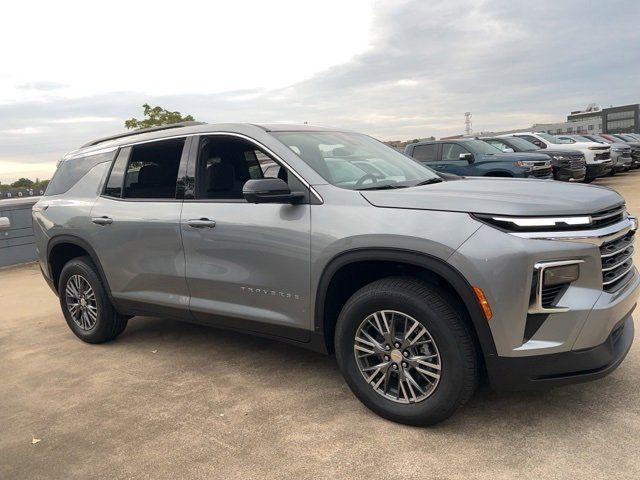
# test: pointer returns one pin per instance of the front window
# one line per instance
(355, 161)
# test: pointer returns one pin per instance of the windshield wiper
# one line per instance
(386, 186)
(428, 181)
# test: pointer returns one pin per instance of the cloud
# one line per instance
(42, 86)
(510, 63)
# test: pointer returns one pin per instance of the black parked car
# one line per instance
(472, 157)
(569, 166)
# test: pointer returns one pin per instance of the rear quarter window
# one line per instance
(69, 172)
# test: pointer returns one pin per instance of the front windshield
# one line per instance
(580, 138)
(600, 139)
(478, 147)
(356, 161)
(550, 138)
(523, 145)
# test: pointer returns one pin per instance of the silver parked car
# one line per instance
(419, 282)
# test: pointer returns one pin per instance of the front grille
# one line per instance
(550, 295)
(576, 162)
(543, 172)
(607, 217)
(617, 262)
(602, 156)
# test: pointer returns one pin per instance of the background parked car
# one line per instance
(630, 140)
(472, 157)
(567, 165)
(597, 156)
(620, 152)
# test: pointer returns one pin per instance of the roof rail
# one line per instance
(142, 130)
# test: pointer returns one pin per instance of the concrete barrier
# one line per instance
(17, 243)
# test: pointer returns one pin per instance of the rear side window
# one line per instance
(147, 171)
(425, 153)
(69, 172)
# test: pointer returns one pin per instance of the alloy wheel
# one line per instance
(81, 302)
(397, 356)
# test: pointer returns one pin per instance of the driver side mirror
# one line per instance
(466, 156)
(270, 190)
(508, 150)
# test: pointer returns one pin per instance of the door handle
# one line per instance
(102, 220)
(201, 223)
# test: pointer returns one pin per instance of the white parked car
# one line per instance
(597, 155)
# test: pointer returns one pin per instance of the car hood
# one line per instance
(515, 156)
(499, 196)
(553, 151)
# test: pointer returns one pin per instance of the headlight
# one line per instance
(598, 148)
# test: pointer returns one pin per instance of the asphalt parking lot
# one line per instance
(174, 400)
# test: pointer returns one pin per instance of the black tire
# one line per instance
(109, 323)
(444, 319)
(589, 179)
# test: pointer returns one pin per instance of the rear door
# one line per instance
(247, 265)
(136, 229)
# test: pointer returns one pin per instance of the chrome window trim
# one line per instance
(200, 134)
(536, 304)
(73, 155)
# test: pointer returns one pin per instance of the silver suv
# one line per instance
(420, 283)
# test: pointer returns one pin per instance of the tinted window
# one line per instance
(152, 170)
(452, 151)
(225, 164)
(116, 176)
(425, 153)
(69, 172)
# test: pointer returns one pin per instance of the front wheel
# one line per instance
(85, 304)
(406, 351)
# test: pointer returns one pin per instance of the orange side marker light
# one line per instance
(486, 308)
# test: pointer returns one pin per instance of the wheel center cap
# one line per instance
(395, 355)
(83, 302)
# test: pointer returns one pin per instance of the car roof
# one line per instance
(188, 128)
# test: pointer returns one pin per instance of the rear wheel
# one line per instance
(406, 351)
(589, 179)
(85, 304)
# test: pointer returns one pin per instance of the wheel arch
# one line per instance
(69, 247)
(409, 261)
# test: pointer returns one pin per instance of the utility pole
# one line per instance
(468, 125)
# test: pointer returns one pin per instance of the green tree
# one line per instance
(22, 183)
(156, 116)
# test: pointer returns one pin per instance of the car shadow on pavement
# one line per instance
(564, 410)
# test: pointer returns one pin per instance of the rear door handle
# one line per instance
(102, 220)
(201, 223)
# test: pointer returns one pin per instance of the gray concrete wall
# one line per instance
(17, 244)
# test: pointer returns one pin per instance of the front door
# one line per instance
(451, 162)
(247, 265)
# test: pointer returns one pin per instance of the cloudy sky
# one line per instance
(395, 69)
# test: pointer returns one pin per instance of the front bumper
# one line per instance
(566, 174)
(544, 371)
(595, 170)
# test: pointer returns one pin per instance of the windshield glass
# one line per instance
(522, 144)
(356, 161)
(598, 138)
(550, 138)
(478, 147)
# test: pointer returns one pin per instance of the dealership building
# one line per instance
(621, 119)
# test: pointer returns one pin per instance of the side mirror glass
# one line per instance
(270, 190)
